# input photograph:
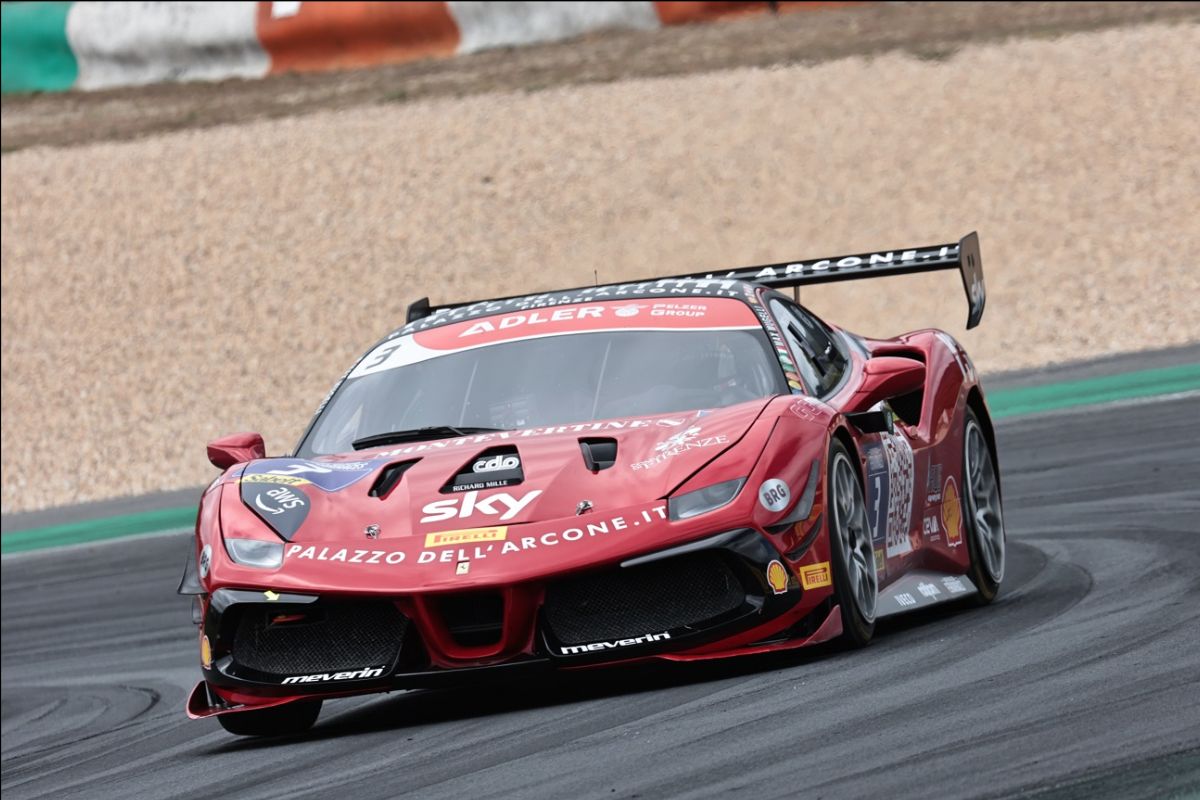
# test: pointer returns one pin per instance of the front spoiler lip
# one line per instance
(204, 702)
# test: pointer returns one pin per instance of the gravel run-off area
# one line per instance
(163, 291)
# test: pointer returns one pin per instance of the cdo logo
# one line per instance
(498, 463)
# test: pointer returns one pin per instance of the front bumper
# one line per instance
(725, 593)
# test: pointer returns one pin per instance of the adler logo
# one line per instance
(322, 677)
(496, 464)
(595, 646)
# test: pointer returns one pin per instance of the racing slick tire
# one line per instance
(983, 518)
(286, 720)
(855, 581)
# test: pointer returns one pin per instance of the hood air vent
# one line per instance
(389, 476)
(598, 454)
(491, 469)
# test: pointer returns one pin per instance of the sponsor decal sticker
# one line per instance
(468, 536)
(933, 484)
(462, 568)
(205, 652)
(815, 576)
(905, 600)
(492, 322)
(271, 596)
(332, 476)
(928, 589)
(322, 677)
(349, 555)
(899, 455)
(930, 528)
(501, 504)
(553, 430)
(496, 463)
(679, 442)
(774, 495)
(880, 560)
(205, 560)
(689, 288)
(878, 492)
(777, 577)
(484, 548)
(954, 585)
(952, 513)
(285, 480)
(283, 507)
(576, 649)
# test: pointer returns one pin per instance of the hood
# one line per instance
(489, 480)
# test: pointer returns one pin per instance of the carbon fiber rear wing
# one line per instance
(963, 256)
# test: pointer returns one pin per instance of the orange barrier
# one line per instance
(343, 35)
(316, 36)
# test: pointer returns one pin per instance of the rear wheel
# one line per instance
(286, 720)
(984, 517)
(854, 576)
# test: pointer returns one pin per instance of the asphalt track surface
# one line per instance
(1082, 680)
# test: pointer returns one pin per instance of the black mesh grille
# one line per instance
(650, 598)
(327, 637)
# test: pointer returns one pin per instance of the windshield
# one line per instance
(549, 380)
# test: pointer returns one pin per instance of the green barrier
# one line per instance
(35, 55)
(99, 530)
(1090, 391)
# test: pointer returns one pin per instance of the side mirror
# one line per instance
(886, 377)
(236, 448)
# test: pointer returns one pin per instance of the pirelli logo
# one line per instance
(815, 576)
(468, 536)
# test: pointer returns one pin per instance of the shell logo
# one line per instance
(951, 513)
(205, 652)
(777, 576)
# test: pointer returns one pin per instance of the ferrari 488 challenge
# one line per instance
(681, 468)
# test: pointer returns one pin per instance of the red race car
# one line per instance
(680, 468)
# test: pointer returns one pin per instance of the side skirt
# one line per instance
(921, 589)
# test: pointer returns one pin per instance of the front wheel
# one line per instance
(854, 576)
(984, 518)
(289, 719)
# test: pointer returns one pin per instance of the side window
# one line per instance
(814, 344)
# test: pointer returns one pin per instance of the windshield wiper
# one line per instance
(418, 435)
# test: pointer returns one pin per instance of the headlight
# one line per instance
(255, 553)
(703, 500)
